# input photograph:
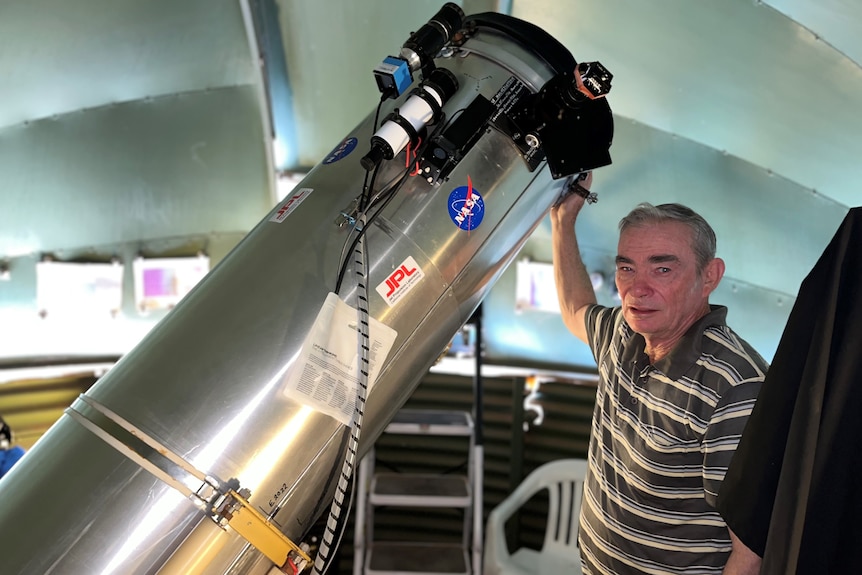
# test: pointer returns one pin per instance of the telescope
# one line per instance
(217, 442)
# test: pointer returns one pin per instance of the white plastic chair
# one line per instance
(564, 480)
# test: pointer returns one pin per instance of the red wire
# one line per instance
(415, 171)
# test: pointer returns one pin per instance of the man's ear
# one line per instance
(712, 274)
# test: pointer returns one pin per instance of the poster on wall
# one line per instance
(73, 289)
(160, 283)
(535, 288)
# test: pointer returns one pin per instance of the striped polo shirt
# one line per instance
(662, 439)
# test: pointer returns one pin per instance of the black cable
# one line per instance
(366, 187)
(326, 562)
(361, 232)
(366, 190)
(366, 197)
(337, 521)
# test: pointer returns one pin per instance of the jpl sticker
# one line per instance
(340, 151)
(402, 280)
(466, 207)
(290, 204)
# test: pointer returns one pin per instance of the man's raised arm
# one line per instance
(574, 289)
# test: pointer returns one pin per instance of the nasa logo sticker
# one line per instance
(341, 151)
(466, 207)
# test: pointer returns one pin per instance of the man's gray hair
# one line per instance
(703, 236)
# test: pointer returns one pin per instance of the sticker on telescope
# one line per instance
(400, 282)
(325, 373)
(466, 207)
(290, 204)
(341, 151)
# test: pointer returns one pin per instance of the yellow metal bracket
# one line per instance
(257, 530)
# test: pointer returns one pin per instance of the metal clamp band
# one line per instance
(222, 501)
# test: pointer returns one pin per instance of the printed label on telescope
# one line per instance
(290, 204)
(508, 97)
(325, 374)
(466, 207)
(342, 150)
(400, 282)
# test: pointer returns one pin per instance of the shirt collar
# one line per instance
(686, 351)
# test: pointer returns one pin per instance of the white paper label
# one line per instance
(325, 376)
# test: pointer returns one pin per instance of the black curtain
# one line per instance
(792, 492)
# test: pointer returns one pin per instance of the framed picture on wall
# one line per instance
(160, 283)
(79, 289)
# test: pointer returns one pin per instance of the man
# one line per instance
(676, 386)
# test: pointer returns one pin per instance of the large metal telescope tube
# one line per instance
(205, 397)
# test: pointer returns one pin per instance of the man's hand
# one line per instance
(566, 212)
(742, 560)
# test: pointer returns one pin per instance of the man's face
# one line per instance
(661, 290)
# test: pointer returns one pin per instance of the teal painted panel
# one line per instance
(835, 22)
(58, 56)
(332, 47)
(528, 338)
(735, 75)
(173, 166)
(770, 231)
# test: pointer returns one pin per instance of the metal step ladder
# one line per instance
(421, 490)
